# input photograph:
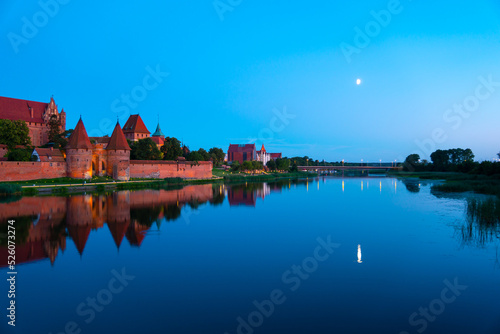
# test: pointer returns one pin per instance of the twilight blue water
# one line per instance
(354, 255)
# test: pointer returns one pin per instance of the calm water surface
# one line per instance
(359, 255)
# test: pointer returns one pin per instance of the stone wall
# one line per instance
(80, 165)
(164, 169)
(23, 171)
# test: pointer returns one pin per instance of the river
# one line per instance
(327, 255)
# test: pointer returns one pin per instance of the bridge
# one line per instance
(351, 167)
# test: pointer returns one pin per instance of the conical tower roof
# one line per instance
(158, 132)
(79, 138)
(118, 231)
(80, 235)
(263, 149)
(118, 140)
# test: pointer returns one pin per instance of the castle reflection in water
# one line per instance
(44, 223)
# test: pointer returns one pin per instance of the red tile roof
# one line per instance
(79, 138)
(16, 109)
(49, 155)
(135, 124)
(118, 140)
(158, 140)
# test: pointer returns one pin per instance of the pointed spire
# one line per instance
(79, 138)
(158, 132)
(118, 140)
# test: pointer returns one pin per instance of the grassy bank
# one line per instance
(458, 182)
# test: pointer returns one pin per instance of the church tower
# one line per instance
(79, 153)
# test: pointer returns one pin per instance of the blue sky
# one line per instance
(231, 71)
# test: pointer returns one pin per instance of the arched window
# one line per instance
(93, 166)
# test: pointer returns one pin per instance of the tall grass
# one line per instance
(483, 221)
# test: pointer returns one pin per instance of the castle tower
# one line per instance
(62, 116)
(158, 132)
(79, 153)
(118, 166)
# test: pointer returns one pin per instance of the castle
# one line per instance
(248, 152)
(103, 156)
(37, 116)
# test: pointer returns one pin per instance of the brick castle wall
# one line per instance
(164, 169)
(81, 166)
(79, 163)
(118, 166)
(24, 171)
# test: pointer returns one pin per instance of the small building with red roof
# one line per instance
(48, 155)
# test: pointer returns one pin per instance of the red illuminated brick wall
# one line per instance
(23, 171)
(164, 169)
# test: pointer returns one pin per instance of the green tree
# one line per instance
(247, 165)
(61, 140)
(257, 165)
(144, 149)
(235, 166)
(283, 164)
(411, 162)
(171, 149)
(54, 128)
(440, 160)
(13, 133)
(271, 164)
(194, 156)
(217, 155)
(204, 154)
(19, 154)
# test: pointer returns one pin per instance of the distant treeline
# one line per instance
(453, 160)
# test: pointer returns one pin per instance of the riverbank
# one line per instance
(457, 182)
(64, 186)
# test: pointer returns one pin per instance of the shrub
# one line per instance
(9, 189)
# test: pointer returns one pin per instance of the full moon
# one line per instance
(358, 82)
